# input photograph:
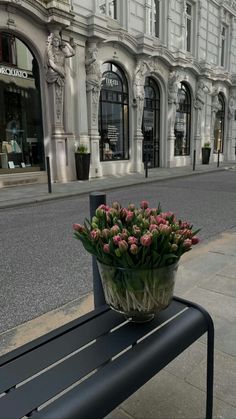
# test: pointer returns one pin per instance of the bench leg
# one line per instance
(210, 371)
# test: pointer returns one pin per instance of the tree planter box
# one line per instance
(206, 155)
(82, 163)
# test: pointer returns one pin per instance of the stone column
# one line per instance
(93, 87)
(138, 105)
(199, 105)
(230, 144)
(172, 107)
(57, 51)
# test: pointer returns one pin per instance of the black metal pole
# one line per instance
(146, 164)
(49, 174)
(96, 199)
(194, 159)
(218, 158)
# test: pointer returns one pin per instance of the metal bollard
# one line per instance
(218, 158)
(96, 199)
(146, 164)
(49, 174)
(194, 159)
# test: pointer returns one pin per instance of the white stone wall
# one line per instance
(126, 41)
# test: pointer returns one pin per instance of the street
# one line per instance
(43, 266)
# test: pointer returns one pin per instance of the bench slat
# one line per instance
(111, 385)
(41, 357)
(34, 393)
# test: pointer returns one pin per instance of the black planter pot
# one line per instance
(82, 163)
(206, 155)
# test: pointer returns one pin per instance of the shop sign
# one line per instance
(8, 71)
(110, 80)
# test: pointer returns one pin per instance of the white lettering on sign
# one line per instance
(111, 82)
(8, 71)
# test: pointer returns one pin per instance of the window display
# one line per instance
(113, 114)
(20, 117)
(182, 122)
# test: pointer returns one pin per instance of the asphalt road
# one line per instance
(43, 267)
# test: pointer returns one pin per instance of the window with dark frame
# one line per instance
(108, 8)
(223, 41)
(189, 27)
(7, 49)
(113, 118)
(183, 122)
(157, 18)
(151, 123)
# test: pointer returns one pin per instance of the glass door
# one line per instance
(151, 124)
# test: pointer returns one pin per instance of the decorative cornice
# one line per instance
(43, 11)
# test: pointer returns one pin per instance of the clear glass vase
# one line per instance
(138, 293)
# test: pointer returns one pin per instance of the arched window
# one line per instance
(151, 123)
(183, 121)
(219, 125)
(113, 114)
(21, 132)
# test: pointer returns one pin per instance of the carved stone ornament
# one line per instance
(231, 108)
(230, 3)
(201, 91)
(94, 73)
(141, 70)
(173, 82)
(56, 53)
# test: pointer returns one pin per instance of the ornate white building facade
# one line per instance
(130, 79)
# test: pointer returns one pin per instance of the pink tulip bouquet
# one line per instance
(136, 237)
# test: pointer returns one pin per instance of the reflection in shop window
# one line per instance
(182, 122)
(151, 123)
(108, 8)
(21, 135)
(113, 114)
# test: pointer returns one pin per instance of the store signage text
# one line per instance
(111, 82)
(8, 71)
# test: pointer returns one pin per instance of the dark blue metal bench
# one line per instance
(88, 367)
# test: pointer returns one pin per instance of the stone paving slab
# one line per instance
(217, 304)
(168, 397)
(221, 284)
(224, 377)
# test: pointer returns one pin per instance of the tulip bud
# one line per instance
(79, 228)
(134, 249)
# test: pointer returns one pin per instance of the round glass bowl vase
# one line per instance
(139, 294)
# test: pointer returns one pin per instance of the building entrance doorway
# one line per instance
(151, 123)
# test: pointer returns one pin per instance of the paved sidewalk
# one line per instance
(207, 275)
(30, 194)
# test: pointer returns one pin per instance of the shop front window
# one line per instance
(219, 126)
(21, 136)
(183, 122)
(114, 114)
(151, 123)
